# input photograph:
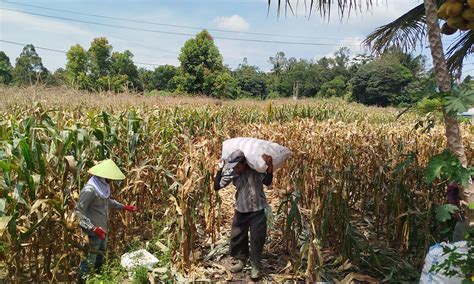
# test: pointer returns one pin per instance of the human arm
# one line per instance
(116, 205)
(221, 181)
(119, 206)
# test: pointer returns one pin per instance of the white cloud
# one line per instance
(234, 22)
(41, 24)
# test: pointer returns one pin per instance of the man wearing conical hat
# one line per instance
(92, 210)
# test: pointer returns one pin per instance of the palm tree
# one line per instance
(406, 32)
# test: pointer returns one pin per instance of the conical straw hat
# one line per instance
(107, 169)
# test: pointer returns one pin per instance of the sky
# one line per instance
(159, 47)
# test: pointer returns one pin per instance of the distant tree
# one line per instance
(221, 85)
(77, 67)
(341, 62)
(163, 76)
(146, 79)
(60, 77)
(201, 69)
(122, 65)
(337, 87)
(251, 81)
(29, 67)
(5, 69)
(99, 58)
(279, 62)
(380, 83)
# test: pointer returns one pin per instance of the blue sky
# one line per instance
(237, 15)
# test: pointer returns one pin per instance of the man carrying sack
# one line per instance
(249, 209)
(92, 209)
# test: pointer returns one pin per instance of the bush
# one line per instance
(274, 95)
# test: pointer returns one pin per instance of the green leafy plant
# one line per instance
(447, 166)
(140, 275)
(111, 272)
(444, 212)
(458, 263)
(460, 100)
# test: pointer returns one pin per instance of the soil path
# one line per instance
(217, 261)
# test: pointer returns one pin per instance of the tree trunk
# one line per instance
(453, 133)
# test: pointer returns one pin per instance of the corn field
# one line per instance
(352, 197)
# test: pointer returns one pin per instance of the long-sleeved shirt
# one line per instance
(92, 210)
(250, 196)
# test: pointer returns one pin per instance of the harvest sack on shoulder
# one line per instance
(254, 149)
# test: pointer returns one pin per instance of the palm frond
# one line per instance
(344, 7)
(405, 32)
(459, 50)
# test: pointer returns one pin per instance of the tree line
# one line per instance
(390, 78)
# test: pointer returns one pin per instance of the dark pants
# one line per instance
(94, 257)
(239, 238)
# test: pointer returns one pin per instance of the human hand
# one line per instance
(269, 161)
(220, 164)
(225, 180)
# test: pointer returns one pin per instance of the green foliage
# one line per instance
(251, 81)
(274, 95)
(111, 272)
(164, 77)
(29, 67)
(428, 105)
(444, 212)
(123, 68)
(380, 83)
(161, 78)
(221, 85)
(60, 77)
(99, 59)
(97, 69)
(458, 263)
(460, 100)
(76, 67)
(337, 87)
(140, 276)
(202, 70)
(447, 166)
(5, 69)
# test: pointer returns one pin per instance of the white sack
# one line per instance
(138, 258)
(436, 255)
(253, 150)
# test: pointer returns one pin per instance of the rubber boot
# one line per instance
(256, 273)
(238, 267)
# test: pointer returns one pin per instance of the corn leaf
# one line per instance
(4, 220)
(3, 205)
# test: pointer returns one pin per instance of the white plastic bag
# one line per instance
(138, 258)
(253, 150)
(435, 256)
